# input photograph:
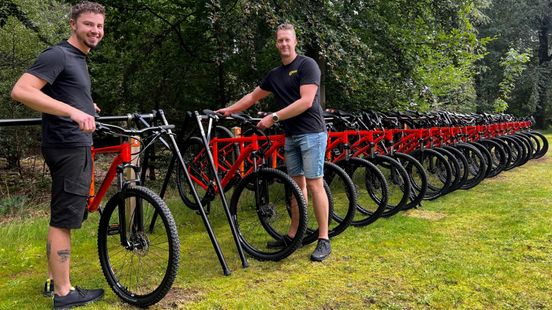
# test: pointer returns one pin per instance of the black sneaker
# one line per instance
(280, 243)
(77, 297)
(323, 249)
(48, 288)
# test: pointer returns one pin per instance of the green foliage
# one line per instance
(518, 26)
(26, 28)
(13, 205)
(513, 65)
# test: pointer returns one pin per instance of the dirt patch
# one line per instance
(426, 215)
(177, 297)
(543, 159)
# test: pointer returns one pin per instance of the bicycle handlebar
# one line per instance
(108, 128)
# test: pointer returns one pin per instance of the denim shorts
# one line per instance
(305, 154)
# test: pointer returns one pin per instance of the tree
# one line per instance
(26, 28)
(520, 27)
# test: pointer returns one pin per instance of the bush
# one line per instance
(13, 205)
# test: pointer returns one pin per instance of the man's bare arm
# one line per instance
(245, 102)
(27, 90)
(308, 93)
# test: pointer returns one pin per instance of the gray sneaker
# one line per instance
(77, 297)
(323, 249)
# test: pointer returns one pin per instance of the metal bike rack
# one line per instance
(159, 114)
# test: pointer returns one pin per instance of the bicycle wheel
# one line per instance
(142, 271)
(498, 156)
(341, 194)
(262, 214)
(477, 166)
(398, 183)
(515, 150)
(456, 169)
(438, 170)
(462, 165)
(527, 148)
(418, 178)
(197, 162)
(543, 144)
(371, 199)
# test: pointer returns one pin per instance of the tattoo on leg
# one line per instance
(48, 249)
(64, 255)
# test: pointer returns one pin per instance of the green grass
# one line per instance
(489, 247)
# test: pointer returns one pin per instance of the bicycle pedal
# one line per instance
(113, 230)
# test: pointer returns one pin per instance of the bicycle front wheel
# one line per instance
(262, 213)
(138, 246)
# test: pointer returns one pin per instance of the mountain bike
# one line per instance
(138, 244)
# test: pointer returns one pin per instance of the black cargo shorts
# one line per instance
(71, 171)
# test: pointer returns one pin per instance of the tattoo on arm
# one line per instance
(64, 255)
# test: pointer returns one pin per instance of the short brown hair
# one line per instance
(85, 7)
(286, 26)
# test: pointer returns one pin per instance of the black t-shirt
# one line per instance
(64, 67)
(285, 82)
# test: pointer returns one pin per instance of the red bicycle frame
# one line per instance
(123, 151)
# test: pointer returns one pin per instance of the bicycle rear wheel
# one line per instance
(142, 271)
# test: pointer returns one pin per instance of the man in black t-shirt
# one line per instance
(295, 85)
(58, 85)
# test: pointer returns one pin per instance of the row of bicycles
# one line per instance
(376, 166)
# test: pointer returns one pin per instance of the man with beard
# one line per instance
(58, 85)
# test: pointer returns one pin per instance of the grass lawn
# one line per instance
(488, 247)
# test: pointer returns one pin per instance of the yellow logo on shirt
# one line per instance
(292, 72)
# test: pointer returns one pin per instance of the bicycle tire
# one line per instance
(372, 200)
(527, 148)
(160, 274)
(418, 178)
(438, 170)
(486, 155)
(477, 167)
(261, 215)
(457, 172)
(195, 158)
(498, 156)
(398, 183)
(544, 144)
(515, 151)
(463, 165)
